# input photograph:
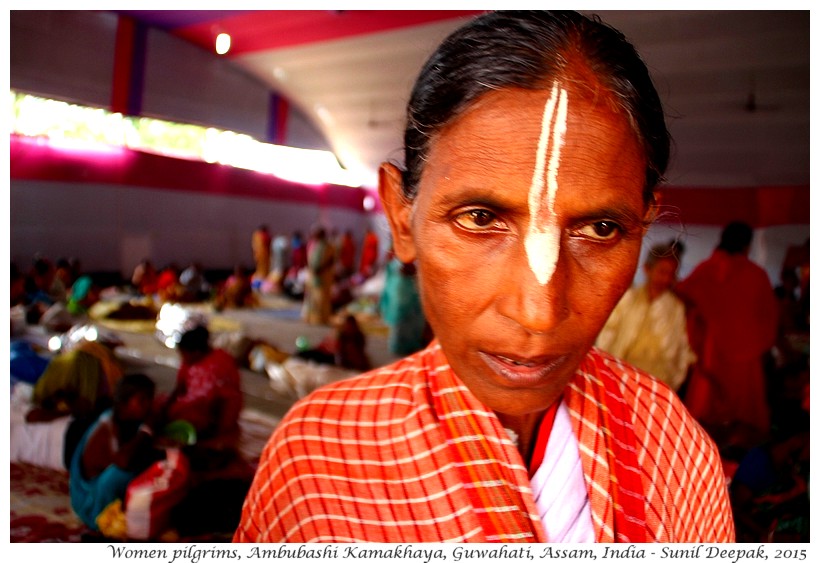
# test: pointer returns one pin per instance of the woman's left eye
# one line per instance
(479, 220)
(600, 230)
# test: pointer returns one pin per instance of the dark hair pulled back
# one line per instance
(529, 49)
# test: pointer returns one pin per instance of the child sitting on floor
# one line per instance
(114, 450)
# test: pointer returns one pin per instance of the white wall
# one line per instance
(111, 228)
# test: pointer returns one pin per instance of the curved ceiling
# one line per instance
(735, 83)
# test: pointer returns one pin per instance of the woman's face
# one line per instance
(137, 408)
(662, 275)
(526, 231)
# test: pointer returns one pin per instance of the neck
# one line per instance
(653, 293)
(525, 428)
(125, 429)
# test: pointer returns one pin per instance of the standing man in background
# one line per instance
(732, 320)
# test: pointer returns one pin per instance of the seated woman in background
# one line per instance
(145, 278)
(114, 450)
(84, 293)
(534, 146)
(345, 348)
(169, 289)
(207, 394)
(647, 328)
(78, 382)
(236, 292)
(61, 316)
(195, 287)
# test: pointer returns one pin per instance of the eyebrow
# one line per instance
(620, 213)
(480, 195)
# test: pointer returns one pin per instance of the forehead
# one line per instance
(499, 133)
(519, 111)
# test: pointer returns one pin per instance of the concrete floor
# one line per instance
(144, 352)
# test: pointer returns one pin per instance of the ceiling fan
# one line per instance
(753, 104)
(376, 123)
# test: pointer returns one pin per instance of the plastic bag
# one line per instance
(153, 494)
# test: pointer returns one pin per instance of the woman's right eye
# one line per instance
(479, 219)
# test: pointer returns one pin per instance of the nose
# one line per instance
(537, 308)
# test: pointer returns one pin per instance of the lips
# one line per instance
(523, 370)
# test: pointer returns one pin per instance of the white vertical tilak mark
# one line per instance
(543, 239)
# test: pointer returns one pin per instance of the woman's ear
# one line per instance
(652, 210)
(397, 209)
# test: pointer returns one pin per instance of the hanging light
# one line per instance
(223, 43)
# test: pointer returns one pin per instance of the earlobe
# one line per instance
(397, 209)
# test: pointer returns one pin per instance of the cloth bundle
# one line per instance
(153, 494)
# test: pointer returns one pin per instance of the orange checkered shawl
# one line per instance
(407, 454)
